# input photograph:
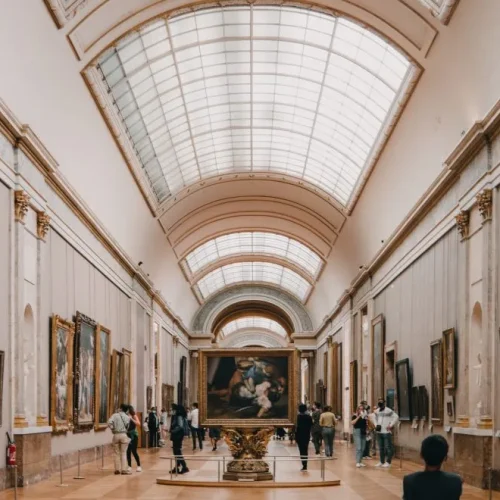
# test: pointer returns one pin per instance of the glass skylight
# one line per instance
(249, 322)
(255, 88)
(262, 243)
(263, 272)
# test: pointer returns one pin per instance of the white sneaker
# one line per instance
(380, 464)
(129, 469)
(362, 465)
(139, 469)
(358, 465)
(386, 466)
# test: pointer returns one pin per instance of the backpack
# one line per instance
(181, 429)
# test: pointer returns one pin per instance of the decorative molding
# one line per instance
(485, 204)
(463, 219)
(175, 340)
(21, 204)
(42, 224)
(63, 11)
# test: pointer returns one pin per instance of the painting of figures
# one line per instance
(126, 385)
(116, 380)
(61, 374)
(85, 370)
(437, 381)
(103, 360)
(253, 386)
(448, 343)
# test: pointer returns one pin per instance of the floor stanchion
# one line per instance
(61, 484)
(79, 476)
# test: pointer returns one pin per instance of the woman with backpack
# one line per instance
(179, 428)
(133, 434)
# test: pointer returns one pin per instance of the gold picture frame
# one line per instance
(116, 380)
(62, 340)
(103, 378)
(127, 377)
(449, 366)
(377, 357)
(280, 366)
(85, 373)
(353, 386)
(437, 382)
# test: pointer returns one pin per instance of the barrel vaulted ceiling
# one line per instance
(251, 126)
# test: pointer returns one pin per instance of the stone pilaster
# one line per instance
(193, 366)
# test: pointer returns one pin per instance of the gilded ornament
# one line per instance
(42, 224)
(485, 204)
(462, 220)
(21, 203)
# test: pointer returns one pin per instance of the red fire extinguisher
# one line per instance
(11, 452)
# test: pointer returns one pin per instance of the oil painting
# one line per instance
(437, 381)
(126, 374)
(248, 387)
(449, 358)
(103, 377)
(116, 380)
(85, 370)
(403, 389)
(378, 343)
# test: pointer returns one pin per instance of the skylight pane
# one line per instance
(257, 243)
(301, 86)
(259, 272)
(251, 323)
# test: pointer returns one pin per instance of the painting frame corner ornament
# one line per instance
(247, 387)
(62, 343)
(85, 373)
(404, 390)
(449, 359)
(103, 378)
(437, 392)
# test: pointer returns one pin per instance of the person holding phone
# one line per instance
(385, 421)
(360, 424)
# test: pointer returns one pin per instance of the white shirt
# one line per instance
(195, 418)
(386, 418)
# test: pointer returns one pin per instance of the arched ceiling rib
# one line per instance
(255, 88)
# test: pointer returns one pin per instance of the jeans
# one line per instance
(303, 450)
(366, 452)
(120, 444)
(177, 446)
(197, 433)
(385, 447)
(359, 442)
(328, 437)
(317, 438)
(132, 450)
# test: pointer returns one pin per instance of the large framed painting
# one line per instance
(248, 387)
(449, 359)
(390, 356)
(437, 381)
(337, 383)
(2, 368)
(167, 396)
(127, 376)
(403, 389)
(378, 343)
(149, 398)
(61, 374)
(116, 380)
(423, 402)
(85, 371)
(353, 385)
(415, 403)
(103, 377)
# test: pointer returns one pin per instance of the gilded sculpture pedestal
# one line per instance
(248, 447)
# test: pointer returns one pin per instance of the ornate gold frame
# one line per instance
(61, 426)
(438, 419)
(449, 343)
(353, 385)
(115, 356)
(99, 426)
(126, 354)
(292, 356)
(84, 426)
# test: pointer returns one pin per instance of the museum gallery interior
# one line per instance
(249, 204)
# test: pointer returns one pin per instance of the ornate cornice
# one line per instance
(463, 219)
(42, 224)
(485, 204)
(62, 13)
(21, 204)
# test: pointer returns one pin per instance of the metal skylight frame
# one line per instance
(272, 88)
(253, 272)
(253, 322)
(252, 243)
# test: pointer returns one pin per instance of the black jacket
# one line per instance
(436, 485)
(303, 428)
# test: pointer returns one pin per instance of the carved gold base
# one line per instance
(248, 447)
(485, 422)
(42, 421)
(20, 422)
(463, 421)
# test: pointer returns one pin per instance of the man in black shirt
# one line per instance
(303, 433)
(432, 483)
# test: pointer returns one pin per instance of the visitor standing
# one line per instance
(196, 432)
(133, 435)
(327, 421)
(164, 424)
(152, 422)
(385, 420)
(118, 423)
(303, 433)
(214, 435)
(316, 429)
(179, 428)
(370, 432)
(359, 424)
(432, 483)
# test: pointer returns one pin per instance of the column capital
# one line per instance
(42, 225)
(21, 204)
(462, 220)
(485, 204)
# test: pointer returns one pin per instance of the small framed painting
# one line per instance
(353, 385)
(103, 377)
(437, 381)
(415, 400)
(449, 359)
(450, 409)
(116, 380)
(423, 402)
(403, 389)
